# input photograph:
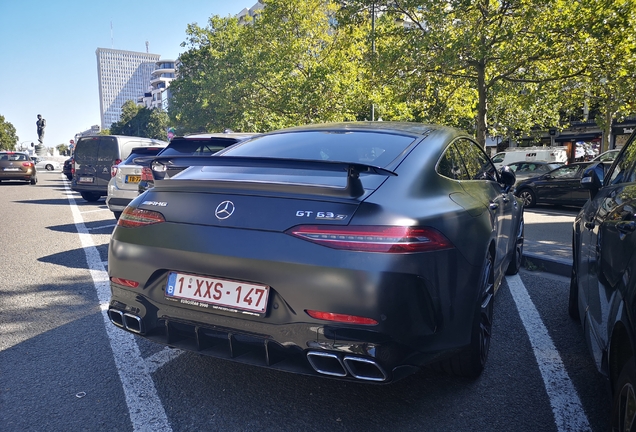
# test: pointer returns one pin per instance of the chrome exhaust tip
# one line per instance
(116, 317)
(133, 323)
(326, 363)
(364, 369)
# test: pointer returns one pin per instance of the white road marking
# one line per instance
(566, 405)
(88, 211)
(156, 361)
(144, 406)
(101, 227)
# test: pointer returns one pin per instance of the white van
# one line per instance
(557, 154)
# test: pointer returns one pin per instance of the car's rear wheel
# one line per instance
(49, 167)
(528, 197)
(90, 196)
(624, 405)
(471, 361)
(515, 262)
(33, 180)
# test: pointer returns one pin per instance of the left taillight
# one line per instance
(114, 168)
(386, 239)
(146, 174)
(135, 217)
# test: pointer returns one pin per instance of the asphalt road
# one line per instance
(63, 367)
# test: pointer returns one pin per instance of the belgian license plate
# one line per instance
(133, 179)
(85, 180)
(203, 291)
(12, 169)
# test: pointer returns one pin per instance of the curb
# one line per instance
(556, 266)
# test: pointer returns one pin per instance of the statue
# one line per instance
(41, 124)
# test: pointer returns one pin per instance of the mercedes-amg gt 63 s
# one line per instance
(357, 251)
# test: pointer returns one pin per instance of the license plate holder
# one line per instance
(130, 178)
(86, 180)
(205, 291)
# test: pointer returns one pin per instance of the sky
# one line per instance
(48, 64)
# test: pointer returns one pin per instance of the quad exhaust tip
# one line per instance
(358, 367)
(126, 321)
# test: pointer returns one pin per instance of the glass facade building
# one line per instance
(122, 76)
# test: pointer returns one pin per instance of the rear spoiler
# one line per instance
(353, 189)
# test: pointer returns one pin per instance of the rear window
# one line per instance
(14, 157)
(142, 151)
(372, 148)
(186, 147)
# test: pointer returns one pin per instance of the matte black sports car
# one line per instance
(358, 251)
(603, 285)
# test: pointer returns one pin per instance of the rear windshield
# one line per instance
(372, 148)
(14, 156)
(142, 151)
(186, 147)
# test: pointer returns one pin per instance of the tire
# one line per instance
(33, 180)
(91, 196)
(624, 401)
(117, 214)
(49, 167)
(470, 362)
(528, 197)
(517, 254)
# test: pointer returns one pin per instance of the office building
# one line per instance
(122, 76)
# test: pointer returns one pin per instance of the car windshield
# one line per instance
(373, 148)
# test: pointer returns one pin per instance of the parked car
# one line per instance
(93, 157)
(603, 283)
(359, 251)
(561, 186)
(607, 156)
(556, 154)
(17, 166)
(122, 187)
(45, 164)
(67, 168)
(524, 170)
(195, 144)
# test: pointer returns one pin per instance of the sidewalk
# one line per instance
(548, 240)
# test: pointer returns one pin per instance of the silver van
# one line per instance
(95, 155)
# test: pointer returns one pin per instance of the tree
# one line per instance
(8, 137)
(486, 57)
(136, 120)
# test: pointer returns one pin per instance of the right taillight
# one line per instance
(386, 239)
(146, 174)
(135, 217)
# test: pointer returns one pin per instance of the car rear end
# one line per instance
(298, 271)
(125, 178)
(17, 166)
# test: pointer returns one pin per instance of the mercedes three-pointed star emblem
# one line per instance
(224, 210)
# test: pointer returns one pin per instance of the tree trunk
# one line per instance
(482, 106)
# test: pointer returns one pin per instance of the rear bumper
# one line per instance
(424, 307)
(18, 175)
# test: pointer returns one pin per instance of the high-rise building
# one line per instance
(122, 76)
(158, 91)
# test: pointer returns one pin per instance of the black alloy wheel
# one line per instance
(528, 197)
(624, 406)
(33, 180)
(517, 257)
(49, 167)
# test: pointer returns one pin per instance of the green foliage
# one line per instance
(491, 67)
(136, 120)
(8, 137)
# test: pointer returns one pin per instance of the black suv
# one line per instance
(188, 145)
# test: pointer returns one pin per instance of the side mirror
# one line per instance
(592, 178)
(507, 176)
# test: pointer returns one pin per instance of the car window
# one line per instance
(141, 151)
(568, 171)
(498, 158)
(623, 168)
(451, 165)
(478, 165)
(185, 146)
(373, 148)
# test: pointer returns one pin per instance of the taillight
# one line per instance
(146, 174)
(27, 164)
(394, 239)
(125, 282)
(349, 319)
(114, 168)
(136, 217)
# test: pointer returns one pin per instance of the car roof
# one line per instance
(379, 126)
(216, 135)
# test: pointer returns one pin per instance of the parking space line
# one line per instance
(159, 359)
(144, 406)
(101, 227)
(568, 411)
